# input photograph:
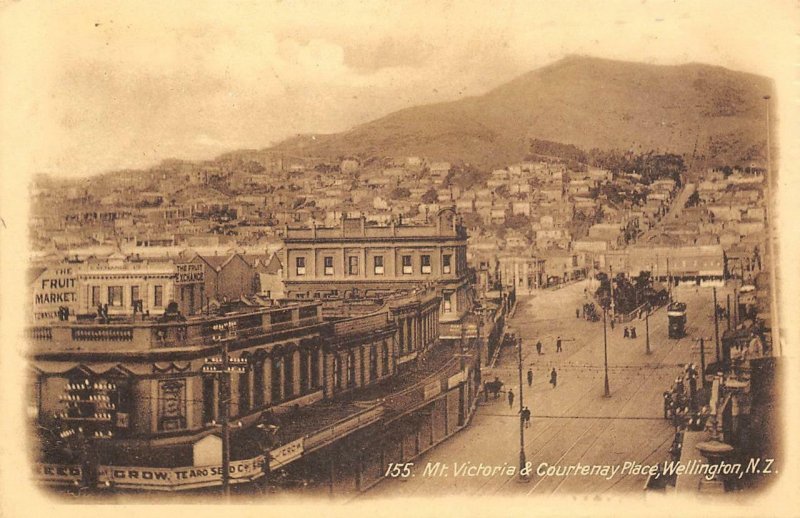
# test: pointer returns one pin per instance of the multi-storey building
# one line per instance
(356, 259)
(130, 405)
(119, 283)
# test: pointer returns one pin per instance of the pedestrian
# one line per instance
(525, 415)
(553, 377)
(577, 312)
(539, 347)
(667, 404)
(485, 392)
(612, 323)
(633, 332)
(558, 344)
(510, 398)
(530, 377)
(626, 334)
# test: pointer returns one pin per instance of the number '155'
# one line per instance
(399, 470)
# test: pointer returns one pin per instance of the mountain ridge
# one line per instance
(585, 101)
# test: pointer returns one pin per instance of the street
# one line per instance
(573, 422)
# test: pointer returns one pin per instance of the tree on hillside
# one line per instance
(519, 222)
(430, 196)
(466, 176)
(399, 193)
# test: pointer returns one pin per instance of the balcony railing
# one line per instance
(151, 334)
(361, 325)
(41, 333)
(341, 428)
(102, 334)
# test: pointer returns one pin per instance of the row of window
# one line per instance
(278, 389)
(377, 264)
(345, 375)
(115, 295)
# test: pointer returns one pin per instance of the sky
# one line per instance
(92, 86)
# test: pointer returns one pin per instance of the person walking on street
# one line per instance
(510, 398)
(578, 313)
(539, 347)
(667, 404)
(530, 377)
(633, 332)
(558, 344)
(553, 377)
(525, 415)
(625, 333)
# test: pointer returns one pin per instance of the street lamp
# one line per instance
(607, 392)
(522, 460)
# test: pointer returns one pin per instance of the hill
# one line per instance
(690, 109)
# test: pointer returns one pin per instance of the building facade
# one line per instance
(356, 259)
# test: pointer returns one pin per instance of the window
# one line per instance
(275, 385)
(158, 296)
(373, 363)
(115, 296)
(304, 381)
(244, 392)
(95, 295)
(385, 357)
(258, 381)
(337, 372)
(378, 265)
(426, 263)
(288, 376)
(315, 369)
(351, 369)
(328, 263)
(448, 302)
(134, 294)
(352, 265)
(172, 405)
(407, 268)
(446, 263)
(300, 262)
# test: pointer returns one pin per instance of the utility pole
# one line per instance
(607, 392)
(669, 279)
(221, 369)
(225, 388)
(647, 329)
(716, 324)
(521, 422)
(611, 286)
(703, 361)
(728, 310)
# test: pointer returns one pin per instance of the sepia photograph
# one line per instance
(514, 258)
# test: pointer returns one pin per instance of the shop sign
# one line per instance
(433, 389)
(179, 478)
(58, 473)
(455, 380)
(189, 273)
(282, 456)
(54, 288)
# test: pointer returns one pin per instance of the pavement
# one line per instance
(572, 423)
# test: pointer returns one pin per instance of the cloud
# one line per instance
(102, 85)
